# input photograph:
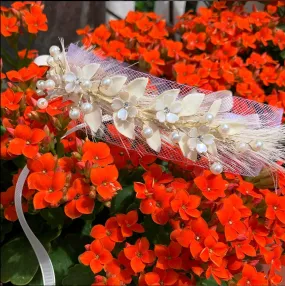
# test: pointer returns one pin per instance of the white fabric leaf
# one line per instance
(132, 111)
(154, 142)
(124, 95)
(227, 99)
(212, 149)
(175, 107)
(183, 145)
(89, 71)
(94, 118)
(41, 60)
(137, 87)
(126, 128)
(116, 85)
(192, 155)
(208, 139)
(215, 107)
(159, 105)
(192, 142)
(193, 132)
(191, 103)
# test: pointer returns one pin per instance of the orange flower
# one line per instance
(100, 35)
(251, 277)
(195, 41)
(139, 254)
(8, 26)
(161, 277)
(7, 201)
(118, 50)
(101, 281)
(128, 223)
(246, 188)
(106, 181)
(153, 58)
(279, 39)
(42, 169)
(259, 18)
(218, 272)
(209, 68)
(281, 79)
(243, 248)
(108, 234)
(212, 186)
(255, 60)
(78, 198)
(144, 24)
(275, 207)
(133, 17)
(26, 73)
(168, 257)
(50, 191)
(26, 141)
(117, 25)
(30, 55)
(35, 20)
(186, 205)
(268, 75)
(230, 219)
(11, 99)
(183, 72)
(226, 51)
(264, 35)
(96, 257)
(214, 250)
(98, 153)
(248, 40)
(84, 31)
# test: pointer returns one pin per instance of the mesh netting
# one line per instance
(260, 121)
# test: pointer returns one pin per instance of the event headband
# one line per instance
(153, 115)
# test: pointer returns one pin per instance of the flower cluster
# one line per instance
(222, 48)
(216, 225)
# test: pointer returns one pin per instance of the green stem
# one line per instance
(8, 58)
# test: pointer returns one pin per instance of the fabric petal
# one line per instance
(192, 143)
(172, 117)
(168, 96)
(208, 139)
(159, 104)
(89, 70)
(94, 118)
(154, 142)
(175, 107)
(191, 103)
(69, 77)
(126, 128)
(137, 87)
(117, 104)
(116, 85)
(160, 116)
(132, 112)
(215, 107)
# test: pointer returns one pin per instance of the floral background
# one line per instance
(111, 217)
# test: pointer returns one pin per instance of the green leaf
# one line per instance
(79, 275)
(2, 130)
(61, 261)
(59, 149)
(6, 227)
(53, 216)
(20, 161)
(122, 200)
(210, 282)
(282, 55)
(19, 262)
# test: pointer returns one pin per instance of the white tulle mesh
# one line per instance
(262, 121)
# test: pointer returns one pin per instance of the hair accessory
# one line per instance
(122, 106)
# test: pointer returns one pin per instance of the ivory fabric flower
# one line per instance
(166, 106)
(125, 105)
(74, 79)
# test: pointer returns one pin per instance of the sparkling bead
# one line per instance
(224, 129)
(86, 84)
(166, 110)
(50, 61)
(106, 82)
(216, 168)
(209, 117)
(241, 147)
(86, 107)
(147, 132)
(42, 103)
(175, 137)
(54, 50)
(41, 84)
(74, 113)
(49, 84)
(257, 145)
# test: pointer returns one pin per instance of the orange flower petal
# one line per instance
(85, 205)
(96, 266)
(98, 231)
(30, 151)
(39, 201)
(37, 136)
(137, 265)
(54, 197)
(86, 257)
(71, 210)
(16, 146)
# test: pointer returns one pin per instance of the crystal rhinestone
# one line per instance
(166, 110)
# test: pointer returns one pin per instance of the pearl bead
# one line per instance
(209, 117)
(40, 92)
(86, 84)
(54, 50)
(86, 107)
(175, 137)
(49, 84)
(257, 145)
(41, 84)
(50, 61)
(216, 168)
(241, 147)
(74, 113)
(224, 129)
(42, 103)
(147, 132)
(106, 82)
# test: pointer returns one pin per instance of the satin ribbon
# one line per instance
(41, 254)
